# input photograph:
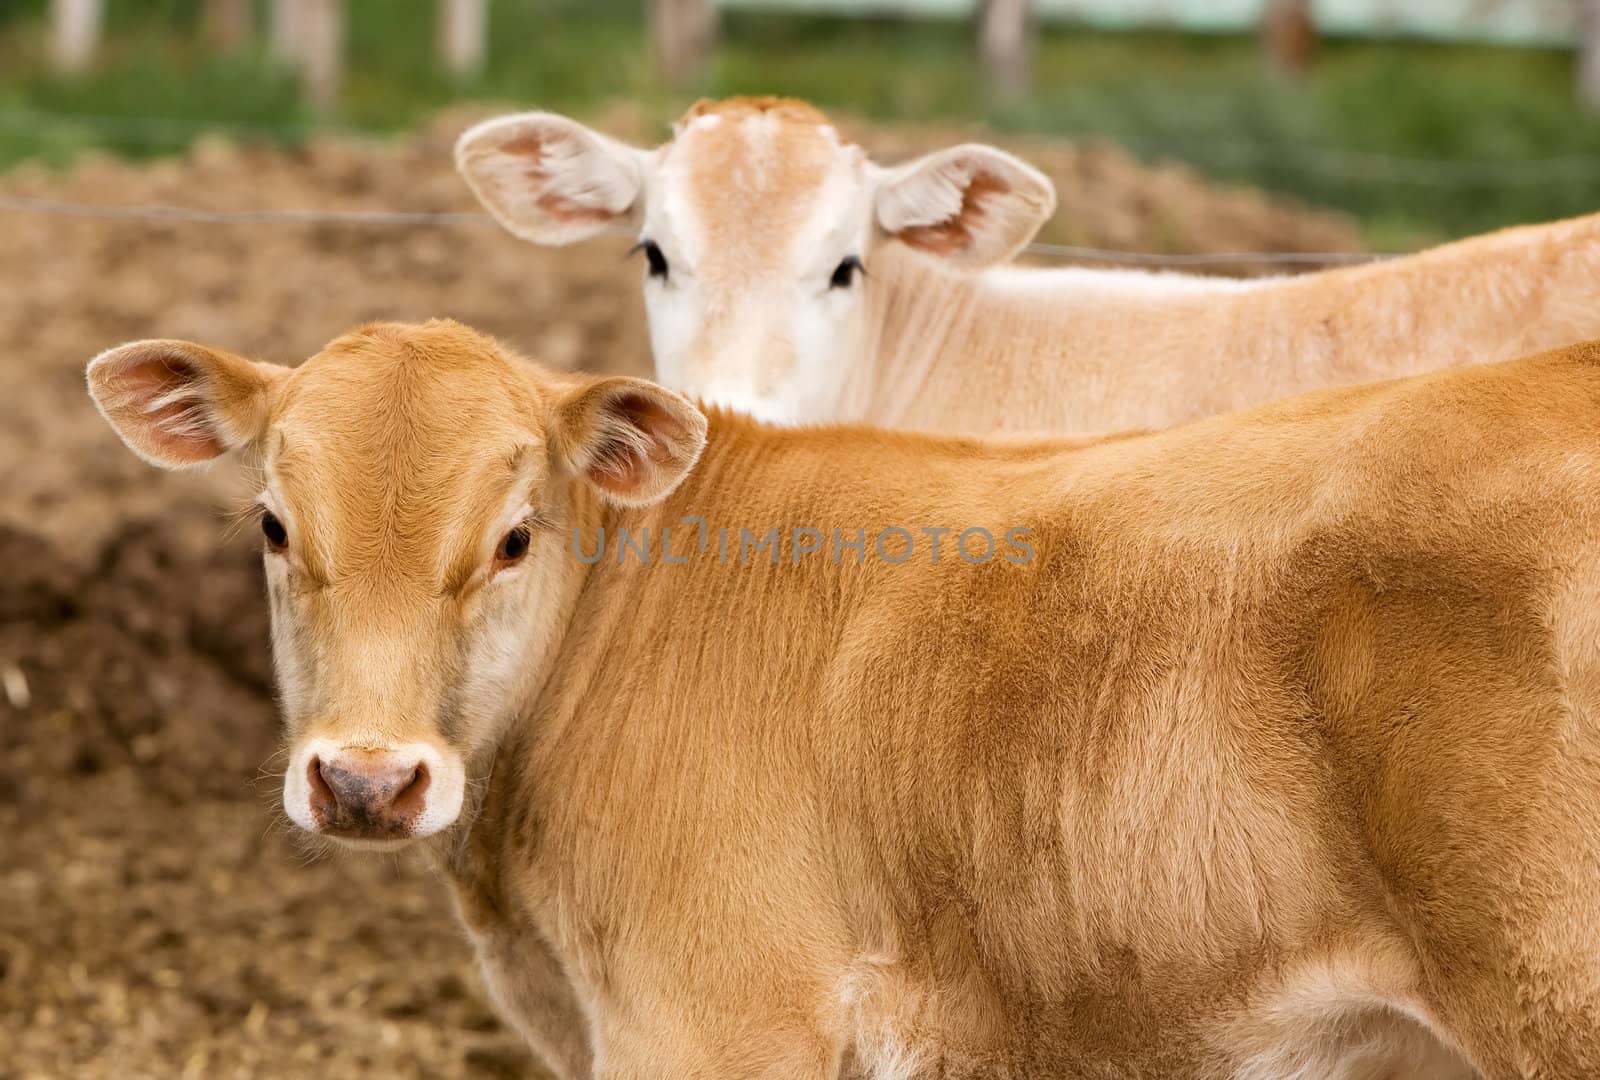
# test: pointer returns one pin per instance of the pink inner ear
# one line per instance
(625, 462)
(619, 473)
(530, 147)
(648, 415)
(562, 207)
(526, 145)
(163, 401)
(954, 234)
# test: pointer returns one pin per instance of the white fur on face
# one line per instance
(746, 318)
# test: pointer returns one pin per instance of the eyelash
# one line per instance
(247, 517)
(845, 273)
(653, 256)
(533, 523)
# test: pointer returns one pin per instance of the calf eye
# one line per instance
(653, 256)
(845, 273)
(277, 536)
(513, 546)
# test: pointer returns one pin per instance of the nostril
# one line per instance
(412, 797)
(371, 793)
(324, 802)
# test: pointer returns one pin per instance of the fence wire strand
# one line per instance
(1328, 162)
(204, 216)
(455, 219)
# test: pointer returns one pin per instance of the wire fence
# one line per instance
(159, 213)
(276, 216)
(1326, 162)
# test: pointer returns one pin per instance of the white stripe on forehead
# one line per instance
(675, 228)
(761, 142)
(728, 175)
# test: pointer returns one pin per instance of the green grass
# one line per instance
(1329, 140)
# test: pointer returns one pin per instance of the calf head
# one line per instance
(756, 222)
(414, 488)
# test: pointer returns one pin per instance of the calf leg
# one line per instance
(1530, 1008)
(1507, 923)
(1466, 721)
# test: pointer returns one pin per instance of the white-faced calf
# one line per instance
(1273, 750)
(792, 278)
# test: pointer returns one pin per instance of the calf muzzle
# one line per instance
(368, 794)
(378, 796)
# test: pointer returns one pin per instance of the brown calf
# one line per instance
(1264, 747)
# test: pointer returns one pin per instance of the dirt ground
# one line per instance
(156, 918)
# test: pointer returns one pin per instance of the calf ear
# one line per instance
(178, 404)
(550, 179)
(973, 204)
(633, 440)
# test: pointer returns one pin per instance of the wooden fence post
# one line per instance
(463, 36)
(1005, 45)
(683, 33)
(1289, 35)
(74, 32)
(320, 29)
(283, 32)
(229, 23)
(1589, 55)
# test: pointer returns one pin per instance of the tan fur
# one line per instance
(789, 110)
(752, 178)
(1280, 759)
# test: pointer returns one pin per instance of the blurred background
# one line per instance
(264, 175)
(1424, 118)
